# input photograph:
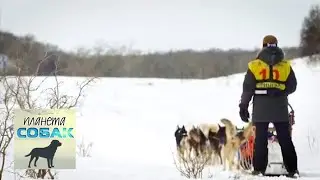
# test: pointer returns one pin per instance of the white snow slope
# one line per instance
(132, 122)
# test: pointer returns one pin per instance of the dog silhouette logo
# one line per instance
(44, 152)
(45, 134)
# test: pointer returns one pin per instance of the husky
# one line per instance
(182, 141)
(232, 143)
(215, 135)
(198, 141)
(216, 139)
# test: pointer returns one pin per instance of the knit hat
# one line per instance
(269, 40)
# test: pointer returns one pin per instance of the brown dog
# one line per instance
(197, 141)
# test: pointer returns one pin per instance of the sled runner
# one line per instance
(275, 163)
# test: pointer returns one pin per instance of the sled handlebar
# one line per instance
(290, 107)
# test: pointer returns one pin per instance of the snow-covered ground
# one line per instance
(132, 122)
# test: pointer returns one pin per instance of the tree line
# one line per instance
(26, 53)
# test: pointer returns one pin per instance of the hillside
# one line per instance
(138, 118)
(26, 52)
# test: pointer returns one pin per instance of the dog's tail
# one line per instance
(248, 130)
(206, 128)
(27, 155)
(231, 130)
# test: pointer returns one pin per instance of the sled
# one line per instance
(275, 163)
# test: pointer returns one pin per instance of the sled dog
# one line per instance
(197, 141)
(216, 139)
(232, 143)
(182, 142)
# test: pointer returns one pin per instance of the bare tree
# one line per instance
(6, 125)
(33, 92)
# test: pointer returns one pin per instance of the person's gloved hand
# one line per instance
(244, 113)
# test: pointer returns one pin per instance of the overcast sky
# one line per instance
(157, 24)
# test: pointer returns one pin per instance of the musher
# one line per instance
(269, 80)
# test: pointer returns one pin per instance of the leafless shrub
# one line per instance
(33, 92)
(191, 166)
(84, 148)
(313, 141)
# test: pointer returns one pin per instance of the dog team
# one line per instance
(219, 143)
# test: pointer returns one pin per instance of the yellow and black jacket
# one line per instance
(269, 80)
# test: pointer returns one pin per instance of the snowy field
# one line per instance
(131, 123)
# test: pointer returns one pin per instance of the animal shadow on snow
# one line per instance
(45, 152)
